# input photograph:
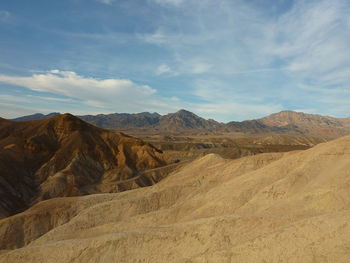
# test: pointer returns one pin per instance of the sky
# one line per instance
(221, 59)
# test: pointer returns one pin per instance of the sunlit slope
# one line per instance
(282, 207)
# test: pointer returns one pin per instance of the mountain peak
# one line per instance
(186, 120)
(68, 123)
(183, 111)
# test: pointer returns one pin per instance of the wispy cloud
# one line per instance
(168, 2)
(208, 56)
(106, 2)
(239, 44)
(165, 69)
(313, 37)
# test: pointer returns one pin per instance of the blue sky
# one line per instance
(222, 59)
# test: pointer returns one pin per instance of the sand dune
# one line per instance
(273, 207)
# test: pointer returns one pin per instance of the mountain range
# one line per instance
(285, 122)
(63, 185)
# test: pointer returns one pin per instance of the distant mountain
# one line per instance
(65, 156)
(285, 122)
(256, 127)
(123, 120)
(184, 120)
(173, 122)
(36, 116)
(311, 124)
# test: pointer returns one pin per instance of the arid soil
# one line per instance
(271, 207)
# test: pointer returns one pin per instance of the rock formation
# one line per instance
(65, 156)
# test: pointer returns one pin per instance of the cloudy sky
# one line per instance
(222, 59)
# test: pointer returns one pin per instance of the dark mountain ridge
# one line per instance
(284, 122)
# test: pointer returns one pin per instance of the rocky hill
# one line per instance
(65, 156)
(274, 207)
(311, 124)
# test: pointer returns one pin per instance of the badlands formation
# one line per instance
(271, 207)
(65, 156)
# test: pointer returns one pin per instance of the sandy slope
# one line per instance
(283, 207)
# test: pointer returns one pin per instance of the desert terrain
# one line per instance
(270, 207)
(74, 192)
(175, 131)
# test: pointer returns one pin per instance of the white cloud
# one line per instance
(120, 94)
(51, 98)
(158, 37)
(227, 52)
(199, 68)
(164, 69)
(311, 37)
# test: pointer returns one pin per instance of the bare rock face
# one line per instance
(65, 156)
(272, 207)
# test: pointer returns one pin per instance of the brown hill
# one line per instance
(311, 124)
(65, 156)
(276, 207)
